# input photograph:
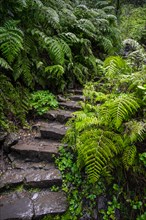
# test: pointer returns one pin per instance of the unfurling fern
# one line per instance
(11, 40)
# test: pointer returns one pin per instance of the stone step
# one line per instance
(72, 105)
(76, 91)
(26, 205)
(39, 178)
(37, 148)
(59, 115)
(77, 97)
(54, 130)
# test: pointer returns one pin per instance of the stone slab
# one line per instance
(38, 148)
(11, 178)
(77, 97)
(73, 105)
(31, 177)
(76, 91)
(16, 206)
(43, 178)
(49, 203)
(55, 131)
(59, 115)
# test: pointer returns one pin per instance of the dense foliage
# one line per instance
(53, 44)
(107, 139)
(47, 46)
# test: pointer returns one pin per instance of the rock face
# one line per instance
(27, 169)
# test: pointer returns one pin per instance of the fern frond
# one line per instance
(95, 149)
(55, 51)
(122, 107)
(135, 130)
(4, 64)
(87, 27)
(52, 45)
(80, 72)
(107, 45)
(129, 156)
(114, 66)
(52, 17)
(101, 4)
(66, 49)
(69, 37)
(56, 71)
(11, 40)
(85, 120)
(22, 69)
(108, 9)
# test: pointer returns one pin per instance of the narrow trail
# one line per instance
(28, 170)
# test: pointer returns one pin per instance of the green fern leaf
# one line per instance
(4, 64)
(55, 51)
(56, 71)
(11, 40)
(135, 130)
(129, 156)
(95, 149)
(69, 37)
(122, 107)
(115, 65)
(66, 49)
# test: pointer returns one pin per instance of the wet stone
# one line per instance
(31, 177)
(43, 178)
(77, 97)
(11, 178)
(55, 131)
(73, 105)
(10, 140)
(3, 136)
(76, 91)
(16, 206)
(24, 165)
(49, 203)
(37, 149)
(59, 115)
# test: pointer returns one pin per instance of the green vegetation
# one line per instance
(42, 101)
(52, 44)
(47, 46)
(107, 144)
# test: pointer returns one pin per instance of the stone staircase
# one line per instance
(28, 170)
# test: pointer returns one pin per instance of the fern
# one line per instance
(4, 64)
(55, 71)
(129, 156)
(135, 130)
(11, 40)
(53, 46)
(122, 107)
(107, 45)
(22, 69)
(66, 49)
(95, 149)
(114, 66)
(70, 37)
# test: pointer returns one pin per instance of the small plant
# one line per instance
(42, 101)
